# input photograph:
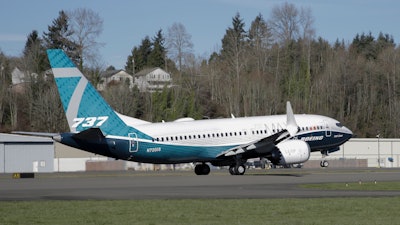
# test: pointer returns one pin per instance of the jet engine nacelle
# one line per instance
(290, 152)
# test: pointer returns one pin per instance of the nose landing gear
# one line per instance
(323, 162)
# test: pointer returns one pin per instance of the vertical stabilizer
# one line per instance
(83, 105)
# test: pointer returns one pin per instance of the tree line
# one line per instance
(254, 72)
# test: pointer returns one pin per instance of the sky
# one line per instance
(126, 23)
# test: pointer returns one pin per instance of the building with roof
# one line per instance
(26, 154)
(153, 79)
(114, 77)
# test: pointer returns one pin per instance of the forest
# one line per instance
(257, 68)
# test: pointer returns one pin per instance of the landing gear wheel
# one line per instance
(232, 170)
(240, 169)
(237, 170)
(202, 169)
(324, 163)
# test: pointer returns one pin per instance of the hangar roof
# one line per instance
(22, 138)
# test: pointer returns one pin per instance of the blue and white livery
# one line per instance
(95, 127)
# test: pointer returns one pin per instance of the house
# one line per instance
(152, 79)
(111, 77)
(20, 79)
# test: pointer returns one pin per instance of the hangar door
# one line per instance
(28, 157)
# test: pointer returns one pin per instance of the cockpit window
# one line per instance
(339, 125)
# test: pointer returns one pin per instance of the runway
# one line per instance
(260, 184)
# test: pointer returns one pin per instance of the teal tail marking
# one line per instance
(83, 105)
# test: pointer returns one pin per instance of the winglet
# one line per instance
(291, 126)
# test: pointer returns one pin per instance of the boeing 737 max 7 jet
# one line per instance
(95, 127)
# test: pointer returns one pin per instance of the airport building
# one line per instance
(27, 154)
(374, 152)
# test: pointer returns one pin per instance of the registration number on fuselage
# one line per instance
(158, 149)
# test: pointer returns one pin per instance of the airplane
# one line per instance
(95, 127)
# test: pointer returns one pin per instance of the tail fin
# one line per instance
(83, 105)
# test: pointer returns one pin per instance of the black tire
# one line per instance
(198, 169)
(240, 170)
(232, 170)
(205, 169)
(202, 169)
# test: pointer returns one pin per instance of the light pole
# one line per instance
(379, 151)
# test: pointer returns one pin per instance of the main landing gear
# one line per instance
(237, 169)
(202, 169)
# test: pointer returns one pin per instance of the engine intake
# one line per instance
(290, 152)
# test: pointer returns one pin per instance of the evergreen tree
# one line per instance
(59, 36)
(140, 56)
(234, 38)
(260, 40)
(233, 58)
(34, 54)
(157, 55)
(365, 45)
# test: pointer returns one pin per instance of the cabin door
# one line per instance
(133, 143)
(328, 131)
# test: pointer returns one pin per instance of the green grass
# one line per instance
(358, 186)
(211, 211)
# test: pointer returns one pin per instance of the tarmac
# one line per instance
(135, 185)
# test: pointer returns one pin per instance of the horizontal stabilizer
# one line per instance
(37, 134)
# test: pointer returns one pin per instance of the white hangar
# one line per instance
(26, 154)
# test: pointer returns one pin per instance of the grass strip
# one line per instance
(356, 186)
(205, 211)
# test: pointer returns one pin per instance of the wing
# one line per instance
(265, 145)
(257, 148)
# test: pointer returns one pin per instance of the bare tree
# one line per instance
(178, 43)
(86, 26)
(285, 22)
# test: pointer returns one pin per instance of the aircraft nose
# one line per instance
(348, 131)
